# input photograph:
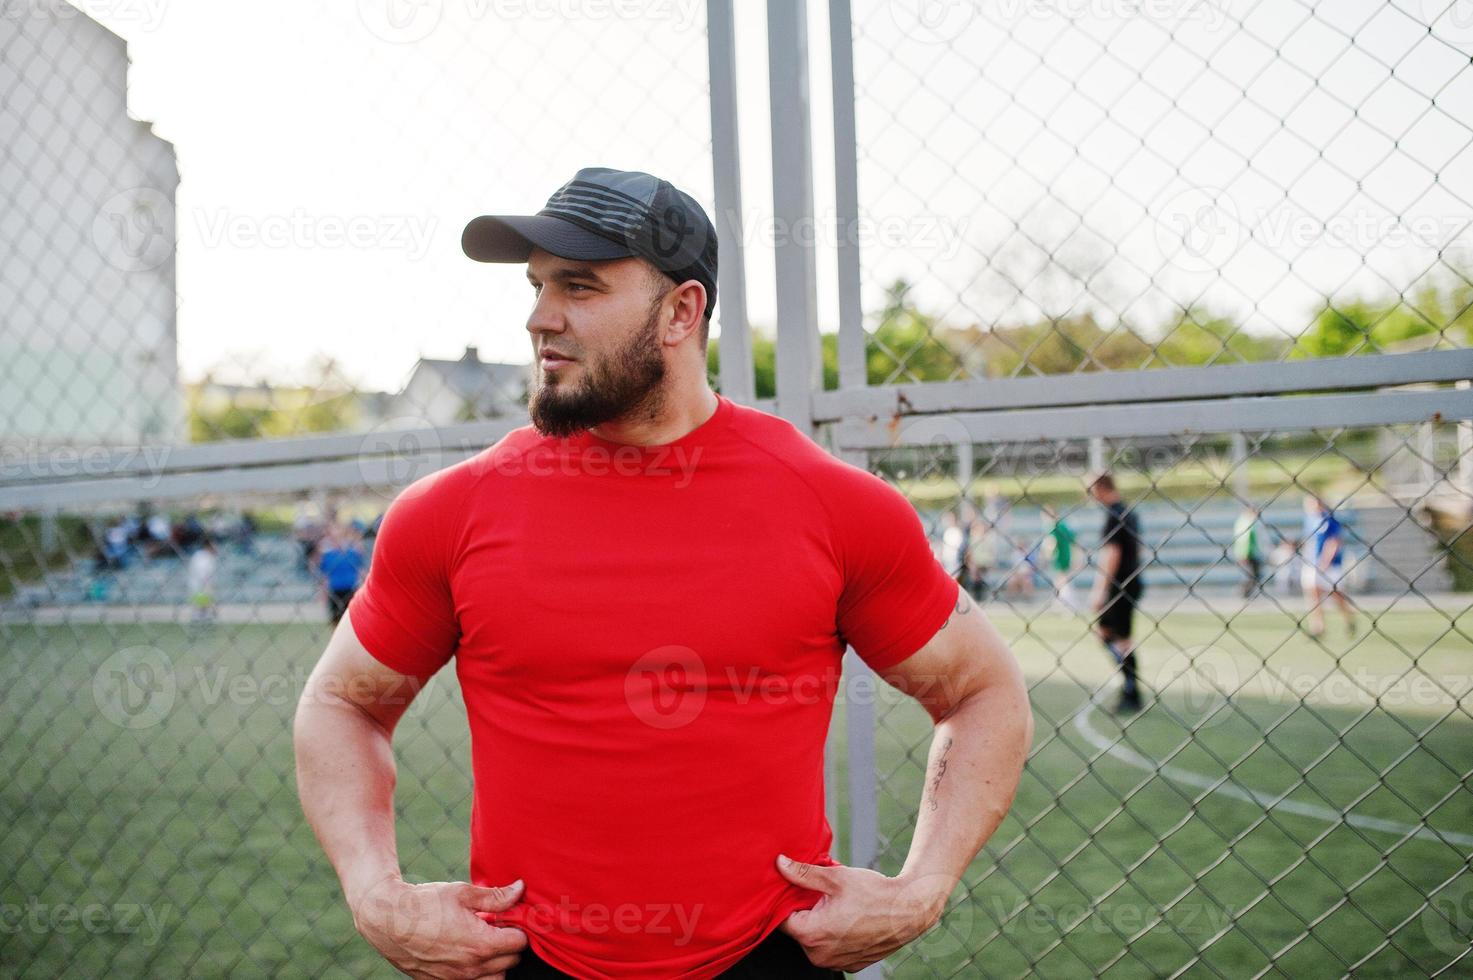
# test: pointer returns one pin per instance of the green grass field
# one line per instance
(179, 849)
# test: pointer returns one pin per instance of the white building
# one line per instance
(442, 392)
(87, 302)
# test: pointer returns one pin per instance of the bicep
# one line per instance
(966, 655)
(347, 675)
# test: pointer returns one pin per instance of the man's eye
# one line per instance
(574, 287)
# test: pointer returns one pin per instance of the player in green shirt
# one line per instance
(1059, 552)
(1247, 551)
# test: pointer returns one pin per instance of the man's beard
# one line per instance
(625, 383)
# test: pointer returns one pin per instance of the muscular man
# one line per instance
(647, 593)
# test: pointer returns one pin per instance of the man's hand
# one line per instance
(431, 931)
(862, 917)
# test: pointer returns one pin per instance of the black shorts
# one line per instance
(778, 957)
(337, 602)
(1116, 616)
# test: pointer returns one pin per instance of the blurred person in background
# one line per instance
(1322, 550)
(1022, 568)
(1060, 553)
(1118, 586)
(307, 531)
(981, 557)
(953, 550)
(203, 564)
(157, 536)
(340, 563)
(245, 534)
(1247, 551)
(1284, 563)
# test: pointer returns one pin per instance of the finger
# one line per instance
(500, 964)
(505, 939)
(802, 924)
(815, 876)
(484, 899)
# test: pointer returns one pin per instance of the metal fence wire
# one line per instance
(1219, 249)
(1284, 804)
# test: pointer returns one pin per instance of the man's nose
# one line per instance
(545, 316)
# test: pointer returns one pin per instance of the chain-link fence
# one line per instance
(1099, 185)
(1157, 239)
(1284, 803)
(337, 155)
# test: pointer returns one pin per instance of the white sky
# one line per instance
(330, 154)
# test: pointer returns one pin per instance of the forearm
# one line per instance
(345, 778)
(975, 763)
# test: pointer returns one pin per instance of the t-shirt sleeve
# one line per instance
(404, 614)
(896, 594)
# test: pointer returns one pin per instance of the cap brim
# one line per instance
(510, 238)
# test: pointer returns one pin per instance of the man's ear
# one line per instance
(687, 302)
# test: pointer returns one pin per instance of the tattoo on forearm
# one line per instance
(940, 771)
(963, 604)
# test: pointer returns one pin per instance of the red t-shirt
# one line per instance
(648, 642)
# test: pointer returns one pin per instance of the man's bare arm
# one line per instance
(343, 736)
(345, 776)
(970, 683)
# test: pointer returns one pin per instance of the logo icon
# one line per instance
(401, 21)
(398, 451)
(134, 229)
(135, 687)
(1448, 917)
(933, 21)
(666, 688)
(1198, 229)
(1198, 681)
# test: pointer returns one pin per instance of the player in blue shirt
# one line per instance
(1322, 550)
(341, 563)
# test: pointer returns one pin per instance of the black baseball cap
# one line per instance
(607, 214)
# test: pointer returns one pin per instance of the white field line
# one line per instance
(1268, 801)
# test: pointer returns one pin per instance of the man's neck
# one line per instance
(678, 416)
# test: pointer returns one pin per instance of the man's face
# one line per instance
(604, 319)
